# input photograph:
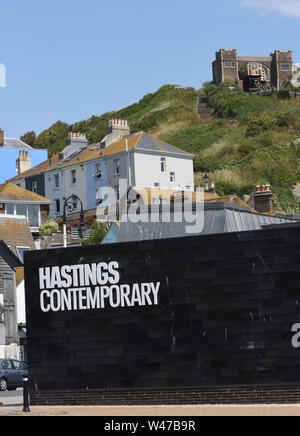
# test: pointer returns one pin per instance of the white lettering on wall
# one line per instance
(90, 287)
(296, 337)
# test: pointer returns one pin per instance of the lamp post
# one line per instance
(70, 206)
(206, 181)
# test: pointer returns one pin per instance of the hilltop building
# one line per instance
(82, 169)
(254, 72)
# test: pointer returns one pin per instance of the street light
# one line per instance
(206, 180)
(70, 206)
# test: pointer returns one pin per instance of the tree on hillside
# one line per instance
(53, 139)
(29, 138)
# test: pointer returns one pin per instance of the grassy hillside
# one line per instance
(251, 140)
(167, 106)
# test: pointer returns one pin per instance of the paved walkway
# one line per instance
(168, 411)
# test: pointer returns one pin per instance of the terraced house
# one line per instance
(82, 169)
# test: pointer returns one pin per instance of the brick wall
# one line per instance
(242, 395)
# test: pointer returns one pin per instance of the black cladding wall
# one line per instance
(226, 309)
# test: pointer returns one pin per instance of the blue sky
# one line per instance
(69, 59)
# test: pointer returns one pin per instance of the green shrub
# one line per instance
(259, 125)
(96, 235)
(227, 188)
(48, 228)
(285, 201)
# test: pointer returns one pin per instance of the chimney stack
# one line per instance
(1, 138)
(117, 129)
(24, 162)
(77, 142)
(263, 199)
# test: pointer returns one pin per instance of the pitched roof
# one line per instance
(16, 144)
(143, 141)
(11, 192)
(10, 258)
(15, 232)
(137, 141)
(43, 167)
(219, 217)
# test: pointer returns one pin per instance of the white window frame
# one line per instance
(34, 186)
(73, 179)
(163, 165)
(117, 167)
(98, 171)
(27, 214)
(18, 247)
(172, 177)
(56, 181)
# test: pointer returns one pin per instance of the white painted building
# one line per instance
(141, 159)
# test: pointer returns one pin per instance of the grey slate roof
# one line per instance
(218, 218)
(148, 142)
(9, 257)
(16, 143)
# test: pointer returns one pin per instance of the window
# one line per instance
(73, 177)
(188, 188)
(34, 187)
(163, 165)
(33, 215)
(21, 209)
(233, 64)
(117, 192)
(117, 167)
(156, 185)
(285, 67)
(159, 201)
(57, 205)
(226, 64)
(19, 365)
(56, 181)
(172, 177)
(21, 251)
(30, 211)
(6, 364)
(98, 171)
(10, 209)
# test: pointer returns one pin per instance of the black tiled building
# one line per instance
(224, 328)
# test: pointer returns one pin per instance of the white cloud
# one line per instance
(287, 7)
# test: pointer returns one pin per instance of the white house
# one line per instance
(140, 159)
